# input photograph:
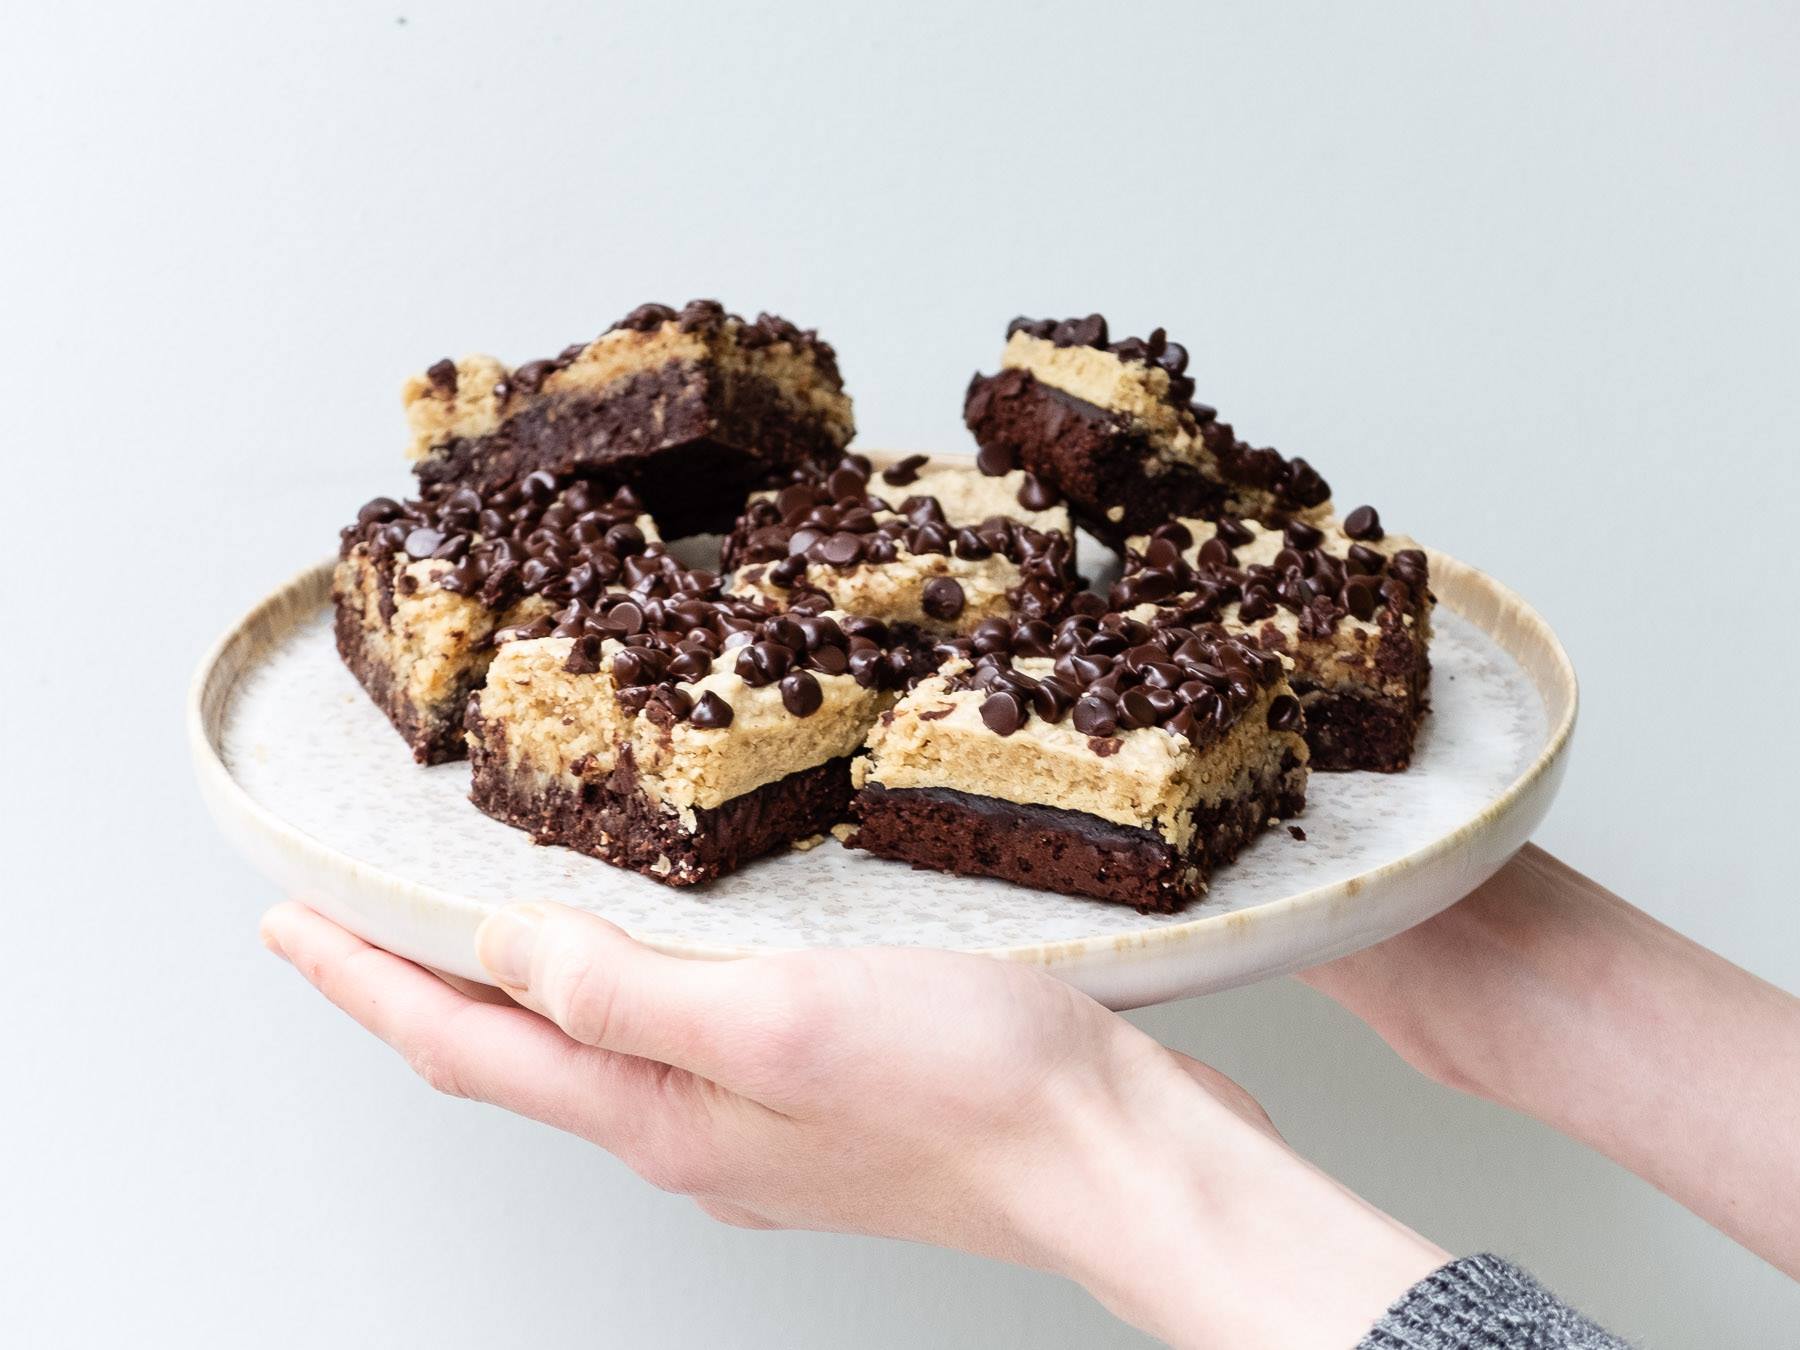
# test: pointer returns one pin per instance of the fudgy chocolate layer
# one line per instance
(433, 739)
(1360, 731)
(692, 442)
(1095, 457)
(1067, 851)
(614, 822)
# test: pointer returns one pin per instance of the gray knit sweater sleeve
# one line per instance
(1484, 1303)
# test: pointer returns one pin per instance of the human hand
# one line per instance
(925, 1095)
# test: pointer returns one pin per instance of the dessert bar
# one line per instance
(1104, 757)
(931, 549)
(421, 586)
(1349, 603)
(1114, 428)
(678, 738)
(692, 407)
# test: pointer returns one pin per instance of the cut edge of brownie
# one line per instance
(1352, 731)
(1072, 852)
(693, 442)
(611, 820)
(433, 738)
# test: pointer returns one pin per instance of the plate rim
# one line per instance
(305, 591)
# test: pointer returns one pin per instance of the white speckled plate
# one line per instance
(307, 778)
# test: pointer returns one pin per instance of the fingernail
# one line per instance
(271, 942)
(505, 943)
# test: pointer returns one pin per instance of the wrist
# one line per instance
(1198, 1226)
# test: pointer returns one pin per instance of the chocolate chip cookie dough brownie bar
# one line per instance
(421, 586)
(678, 739)
(1348, 602)
(930, 548)
(1105, 757)
(1114, 428)
(692, 407)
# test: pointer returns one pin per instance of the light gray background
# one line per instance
(1523, 275)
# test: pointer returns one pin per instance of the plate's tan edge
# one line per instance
(210, 765)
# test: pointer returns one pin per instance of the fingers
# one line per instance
(605, 989)
(503, 1055)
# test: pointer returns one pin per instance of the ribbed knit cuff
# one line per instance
(1484, 1303)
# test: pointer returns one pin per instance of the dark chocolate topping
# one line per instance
(668, 641)
(561, 538)
(1305, 578)
(710, 316)
(830, 519)
(1114, 674)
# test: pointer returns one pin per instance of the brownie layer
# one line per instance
(1068, 851)
(1095, 457)
(691, 440)
(611, 820)
(1360, 730)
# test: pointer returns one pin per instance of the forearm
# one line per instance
(1207, 1232)
(1544, 992)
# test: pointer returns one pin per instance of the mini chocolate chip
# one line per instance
(996, 459)
(711, 712)
(584, 655)
(942, 598)
(1095, 717)
(1365, 561)
(906, 471)
(1037, 495)
(842, 549)
(1284, 713)
(1051, 700)
(1215, 552)
(846, 482)
(423, 542)
(1359, 596)
(442, 375)
(1004, 713)
(800, 693)
(1136, 710)
(1302, 536)
(1363, 523)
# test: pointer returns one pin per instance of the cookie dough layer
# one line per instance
(1362, 678)
(692, 408)
(1113, 429)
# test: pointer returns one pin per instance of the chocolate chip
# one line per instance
(1284, 713)
(1037, 495)
(800, 693)
(842, 549)
(1004, 713)
(846, 482)
(1302, 536)
(584, 655)
(906, 471)
(1095, 717)
(1052, 699)
(531, 376)
(942, 598)
(1360, 596)
(996, 459)
(423, 542)
(1363, 523)
(442, 375)
(711, 712)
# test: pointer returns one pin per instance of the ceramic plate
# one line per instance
(307, 778)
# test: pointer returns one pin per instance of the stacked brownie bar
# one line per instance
(1115, 429)
(931, 549)
(691, 407)
(903, 651)
(1346, 602)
